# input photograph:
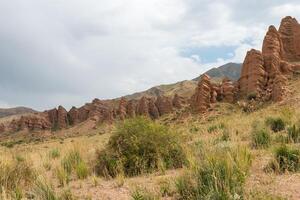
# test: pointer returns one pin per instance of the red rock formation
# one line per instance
(30, 122)
(164, 105)
(265, 73)
(290, 35)
(253, 75)
(228, 90)
(177, 101)
(142, 107)
(122, 111)
(62, 118)
(131, 108)
(201, 100)
(73, 116)
(153, 110)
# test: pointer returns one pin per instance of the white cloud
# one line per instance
(69, 52)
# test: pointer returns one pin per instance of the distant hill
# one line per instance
(5, 112)
(229, 70)
(186, 88)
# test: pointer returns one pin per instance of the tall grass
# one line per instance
(15, 175)
(286, 158)
(260, 135)
(220, 175)
(73, 161)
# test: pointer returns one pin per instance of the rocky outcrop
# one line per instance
(131, 108)
(202, 98)
(164, 105)
(30, 122)
(290, 35)
(177, 101)
(122, 111)
(265, 73)
(253, 75)
(142, 107)
(227, 91)
(153, 110)
(62, 118)
(73, 116)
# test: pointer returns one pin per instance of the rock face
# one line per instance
(73, 116)
(253, 74)
(131, 108)
(290, 35)
(227, 91)
(30, 122)
(164, 105)
(265, 73)
(122, 109)
(202, 98)
(177, 101)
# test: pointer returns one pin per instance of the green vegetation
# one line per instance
(54, 153)
(276, 124)
(285, 159)
(143, 194)
(261, 138)
(294, 134)
(219, 175)
(140, 146)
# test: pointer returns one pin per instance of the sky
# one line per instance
(68, 52)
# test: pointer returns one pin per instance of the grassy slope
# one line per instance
(194, 128)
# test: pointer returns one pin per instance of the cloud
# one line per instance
(68, 52)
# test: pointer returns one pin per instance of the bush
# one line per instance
(81, 170)
(221, 175)
(140, 146)
(260, 138)
(54, 153)
(285, 159)
(294, 134)
(276, 124)
(71, 160)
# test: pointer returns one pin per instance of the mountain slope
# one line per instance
(186, 88)
(229, 70)
(5, 112)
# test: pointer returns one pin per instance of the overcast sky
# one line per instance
(68, 52)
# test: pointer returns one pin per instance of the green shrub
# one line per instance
(81, 170)
(285, 159)
(221, 175)
(212, 128)
(71, 160)
(260, 138)
(54, 153)
(276, 124)
(140, 146)
(294, 134)
(142, 194)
